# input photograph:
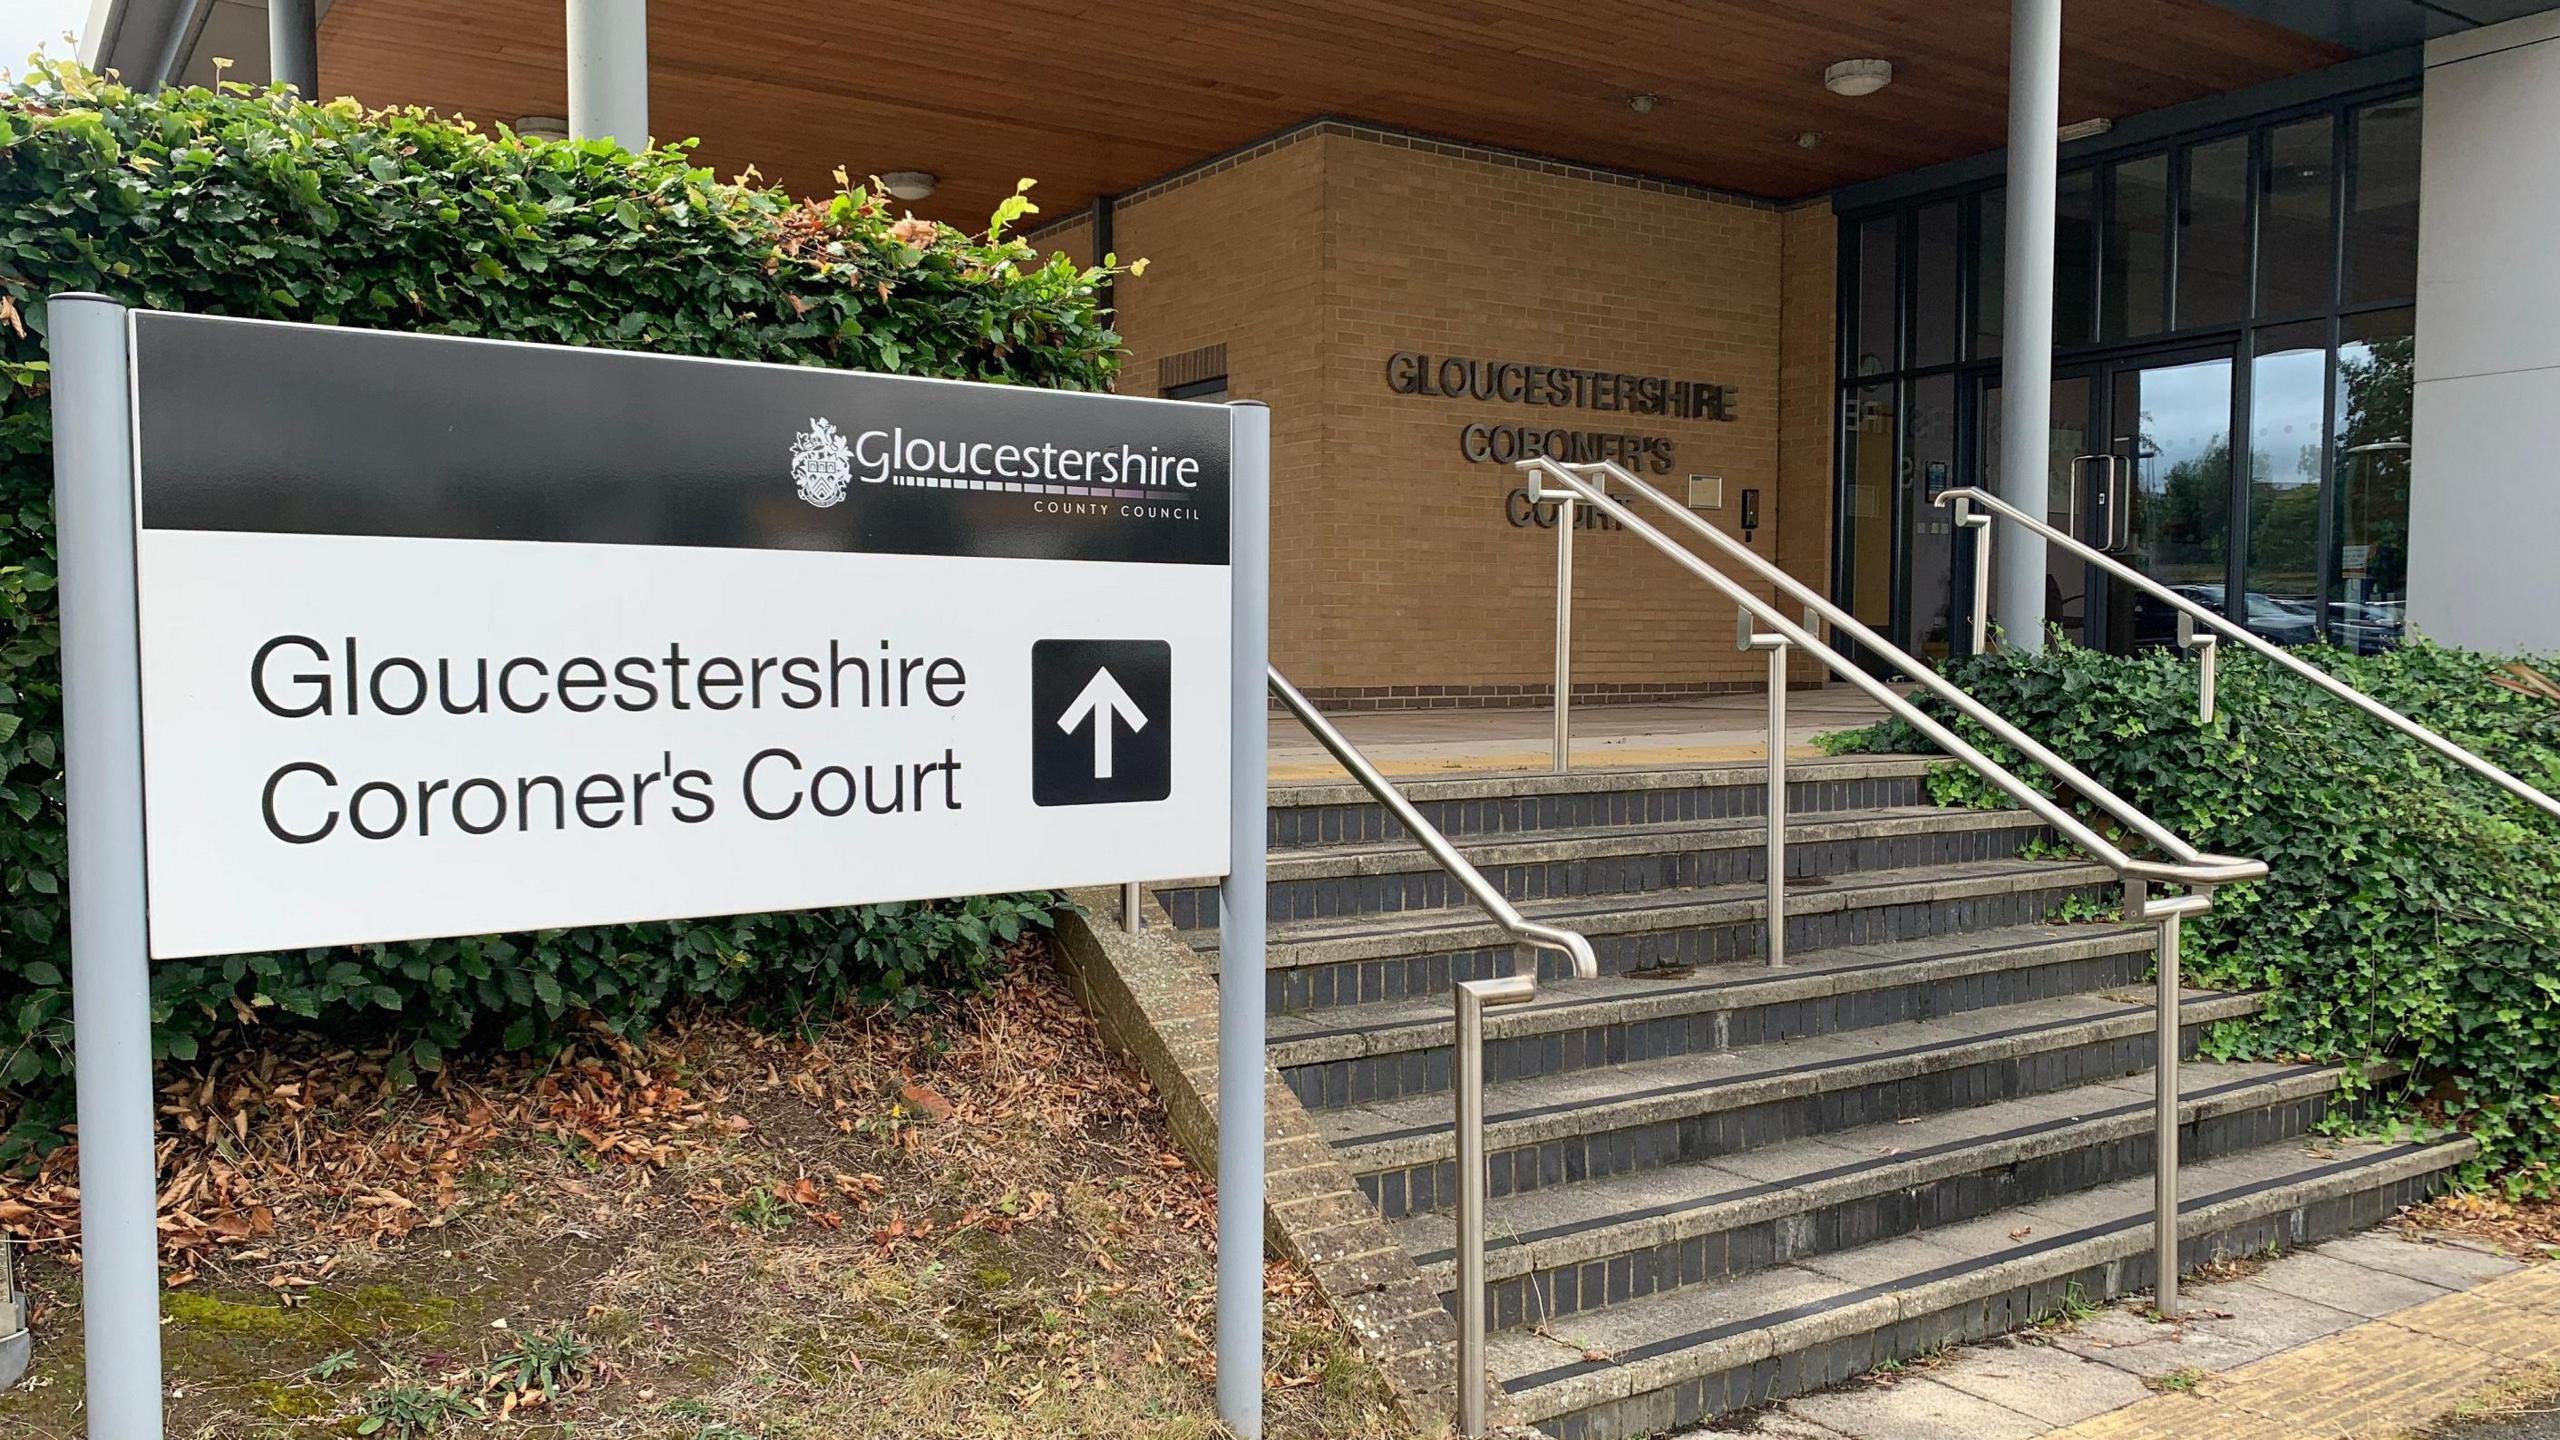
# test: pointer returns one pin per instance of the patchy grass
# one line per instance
(1893, 1371)
(2223, 1269)
(960, 1226)
(2075, 1310)
(2183, 1381)
(2520, 1396)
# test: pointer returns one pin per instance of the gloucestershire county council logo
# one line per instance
(821, 464)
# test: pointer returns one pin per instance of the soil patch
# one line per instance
(965, 1225)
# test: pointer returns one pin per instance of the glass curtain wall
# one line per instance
(2275, 259)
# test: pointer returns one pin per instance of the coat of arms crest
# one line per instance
(821, 464)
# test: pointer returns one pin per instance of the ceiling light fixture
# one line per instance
(2086, 129)
(1809, 139)
(1858, 77)
(1643, 102)
(909, 184)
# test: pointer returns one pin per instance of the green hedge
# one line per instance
(2412, 911)
(236, 202)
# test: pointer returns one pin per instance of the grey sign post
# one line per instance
(110, 966)
(1241, 934)
(187, 448)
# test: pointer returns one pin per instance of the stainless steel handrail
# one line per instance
(1573, 947)
(2190, 610)
(2195, 869)
(1473, 997)
(2188, 866)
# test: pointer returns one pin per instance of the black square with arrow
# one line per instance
(1101, 721)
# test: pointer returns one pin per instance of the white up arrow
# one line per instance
(1101, 699)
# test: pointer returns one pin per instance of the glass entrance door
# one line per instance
(2159, 490)
(2137, 463)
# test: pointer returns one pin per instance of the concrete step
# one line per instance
(1385, 877)
(1364, 959)
(1355, 1055)
(1552, 1253)
(1490, 805)
(1670, 1360)
(1591, 1124)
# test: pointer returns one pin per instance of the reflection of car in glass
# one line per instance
(2281, 621)
(2366, 627)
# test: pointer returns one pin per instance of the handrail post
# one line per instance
(2170, 917)
(1564, 634)
(1967, 519)
(1132, 918)
(1473, 996)
(2164, 1172)
(2207, 646)
(2232, 632)
(1774, 810)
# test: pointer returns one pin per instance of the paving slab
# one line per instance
(1709, 730)
(2453, 1263)
(1917, 1408)
(2343, 1285)
(2040, 1380)
(2281, 1358)
(2252, 1323)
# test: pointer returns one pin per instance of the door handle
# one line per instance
(2119, 504)
(2073, 525)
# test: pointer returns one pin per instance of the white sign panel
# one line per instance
(448, 636)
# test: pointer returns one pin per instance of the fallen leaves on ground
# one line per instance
(2525, 1229)
(954, 1224)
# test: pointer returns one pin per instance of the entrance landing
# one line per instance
(1719, 729)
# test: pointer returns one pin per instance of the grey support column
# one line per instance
(1241, 935)
(609, 71)
(2026, 339)
(110, 953)
(293, 45)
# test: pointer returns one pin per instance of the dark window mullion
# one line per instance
(2324, 562)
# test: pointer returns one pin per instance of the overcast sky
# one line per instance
(26, 25)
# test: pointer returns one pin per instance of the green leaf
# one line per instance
(243, 202)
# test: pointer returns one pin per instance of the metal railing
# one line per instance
(2187, 866)
(2190, 614)
(1473, 998)
(1575, 949)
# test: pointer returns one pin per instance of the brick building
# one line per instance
(1762, 250)
(1343, 272)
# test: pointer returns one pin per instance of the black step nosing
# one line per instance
(1545, 784)
(1779, 976)
(1672, 1344)
(1926, 1152)
(1590, 906)
(1535, 1112)
(1673, 836)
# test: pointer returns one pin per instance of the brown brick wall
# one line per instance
(1316, 257)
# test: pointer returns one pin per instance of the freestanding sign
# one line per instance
(373, 637)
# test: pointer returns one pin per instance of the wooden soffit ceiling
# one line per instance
(1100, 96)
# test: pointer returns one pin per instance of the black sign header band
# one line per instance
(254, 425)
